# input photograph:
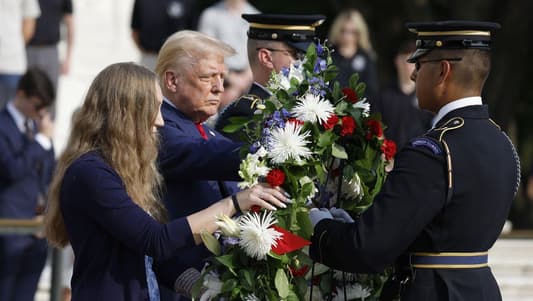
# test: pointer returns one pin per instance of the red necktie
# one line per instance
(201, 130)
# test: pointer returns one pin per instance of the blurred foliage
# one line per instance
(507, 90)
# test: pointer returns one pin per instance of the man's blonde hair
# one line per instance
(186, 48)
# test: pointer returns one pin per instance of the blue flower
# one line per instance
(320, 65)
(285, 113)
(254, 147)
(319, 49)
(285, 71)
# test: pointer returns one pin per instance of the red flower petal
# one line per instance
(288, 242)
(275, 177)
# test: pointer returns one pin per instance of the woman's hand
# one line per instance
(262, 195)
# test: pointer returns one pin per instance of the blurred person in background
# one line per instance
(153, 21)
(353, 52)
(223, 21)
(42, 50)
(17, 25)
(274, 42)
(26, 166)
(398, 104)
(104, 198)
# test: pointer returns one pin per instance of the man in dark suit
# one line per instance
(445, 202)
(191, 70)
(26, 165)
(274, 42)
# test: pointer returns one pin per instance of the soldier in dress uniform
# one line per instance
(445, 202)
(274, 42)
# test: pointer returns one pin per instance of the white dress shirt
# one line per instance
(454, 105)
(20, 119)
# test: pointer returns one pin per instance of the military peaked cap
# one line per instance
(450, 35)
(298, 31)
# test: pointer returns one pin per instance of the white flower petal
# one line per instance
(288, 143)
(257, 238)
(313, 108)
(363, 105)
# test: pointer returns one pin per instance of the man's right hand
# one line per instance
(46, 125)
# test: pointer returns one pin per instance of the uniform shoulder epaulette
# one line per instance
(254, 99)
(450, 125)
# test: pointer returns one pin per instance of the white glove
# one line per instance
(316, 215)
(341, 215)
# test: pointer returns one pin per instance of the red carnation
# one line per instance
(332, 121)
(255, 208)
(350, 94)
(296, 121)
(348, 125)
(299, 272)
(374, 129)
(389, 149)
(275, 177)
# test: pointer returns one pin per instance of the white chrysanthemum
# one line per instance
(251, 297)
(227, 225)
(353, 291)
(253, 167)
(288, 143)
(363, 105)
(257, 238)
(313, 108)
(214, 286)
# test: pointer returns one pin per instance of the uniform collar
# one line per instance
(18, 117)
(454, 105)
(263, 88)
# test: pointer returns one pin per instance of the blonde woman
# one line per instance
(104, 198)
(353, 50)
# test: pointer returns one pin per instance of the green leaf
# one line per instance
(227, 260)
(247, 277)
(360, 89)
(282, 284)
(325, 138)
(211, 242)
(306, 227)
(229, 285)
(232, 128)
(353, 81)
(338, 151)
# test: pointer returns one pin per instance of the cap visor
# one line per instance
(417, 54)
(300, 46)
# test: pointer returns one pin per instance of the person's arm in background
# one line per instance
(68, 20)
(30, 13)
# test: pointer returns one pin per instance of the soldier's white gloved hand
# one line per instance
(316, 215)
(341, 215)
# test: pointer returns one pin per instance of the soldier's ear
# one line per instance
(265, 58)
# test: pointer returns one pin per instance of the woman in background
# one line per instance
(353, 50)
(104, 198)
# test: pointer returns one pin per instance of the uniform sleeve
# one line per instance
(412, 196)
(184, 157)
(19, 164)
(108, 205)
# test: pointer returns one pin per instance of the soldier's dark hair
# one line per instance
(473, 69)
(36, 83)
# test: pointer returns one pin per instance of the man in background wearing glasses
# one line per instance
(274, 42)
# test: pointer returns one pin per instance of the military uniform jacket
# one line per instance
(415, 211)
(243, 107)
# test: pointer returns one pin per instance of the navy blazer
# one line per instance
(25, 170)
(110, 234)
(192, 181)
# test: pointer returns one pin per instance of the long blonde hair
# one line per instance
(116, 119)
(356, 18)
